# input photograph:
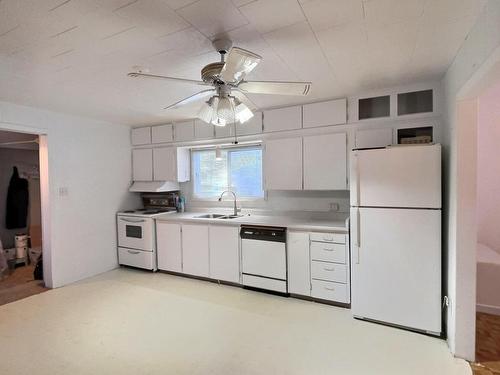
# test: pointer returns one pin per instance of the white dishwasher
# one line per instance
(263, 258)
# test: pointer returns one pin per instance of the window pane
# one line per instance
(246, 172)
(210, 175)
(239, 170)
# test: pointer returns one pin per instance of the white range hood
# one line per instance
(154, 186)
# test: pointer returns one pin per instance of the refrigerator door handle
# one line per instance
(356, 235)
(355, 179)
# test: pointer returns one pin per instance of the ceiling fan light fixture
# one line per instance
(241, 112)
(225, 110)
(206, 112)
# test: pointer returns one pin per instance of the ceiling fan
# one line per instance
(225, 102)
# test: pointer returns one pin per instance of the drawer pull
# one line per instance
(329, 269)
(327, 249)
(331, 289)
(327, 238)
(133, 252)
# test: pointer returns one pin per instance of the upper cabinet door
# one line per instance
(140, 136)
(289, 118)
(164, 164)
(325, 162)
(283, 164)
(252, 126)
(333, 112)
(372, 138)
(162, 133)
(224, 131)
(142, 164)
(184, 131)
(202, 130)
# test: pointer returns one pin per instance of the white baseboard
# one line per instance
(488, 309)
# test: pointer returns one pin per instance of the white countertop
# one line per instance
(289, 222)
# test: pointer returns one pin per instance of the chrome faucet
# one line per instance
(234, 196)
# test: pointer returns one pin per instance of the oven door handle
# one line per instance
(132, 220)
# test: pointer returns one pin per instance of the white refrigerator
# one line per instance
(396, 236)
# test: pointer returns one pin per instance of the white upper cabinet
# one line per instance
(184, 131)
(169, 246)
(162, 133)
(333, 112)
(202, 130)
(140, 136)
(372, 138)
(283, 164)
(325, 162)
(164, 164)
(142, 164)
(280, 119)
(224, 253)
(299, 281)
(195, 251)
(224, 131)
(252, 126)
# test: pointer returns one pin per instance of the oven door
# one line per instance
(135, 232)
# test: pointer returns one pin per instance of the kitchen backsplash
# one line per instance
(326, 202)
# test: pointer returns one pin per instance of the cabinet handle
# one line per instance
(329, 239)
(331, 289)
(133, 252)
(329, 269)
(328, 249)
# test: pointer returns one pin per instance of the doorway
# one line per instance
(21, 259)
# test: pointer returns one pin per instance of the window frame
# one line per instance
(253, 146)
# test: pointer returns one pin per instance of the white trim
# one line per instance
(488, 309)
(43, 151)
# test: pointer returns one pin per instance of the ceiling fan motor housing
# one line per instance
(210, 73)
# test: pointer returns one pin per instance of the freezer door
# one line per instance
(407, 176)
(396, 266)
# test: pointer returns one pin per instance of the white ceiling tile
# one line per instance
(392, 11)
(449, 10)
(213, 17)
(267, 15)
(176, 4)
(324, 14)
(239, 3)
(155, 15)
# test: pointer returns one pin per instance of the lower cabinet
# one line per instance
(195, 251)
(224, 253)
(299, 281)
(169, 246)
(318, 265)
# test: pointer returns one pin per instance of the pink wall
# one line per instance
(488, 171)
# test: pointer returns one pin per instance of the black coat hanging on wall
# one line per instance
(17, 202)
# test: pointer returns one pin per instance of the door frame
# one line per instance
(465, 201)
(43, 153)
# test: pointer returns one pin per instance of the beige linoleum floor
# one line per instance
(132, 322)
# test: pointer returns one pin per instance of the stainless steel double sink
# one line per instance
(217, 216)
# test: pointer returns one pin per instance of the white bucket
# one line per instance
(21, 252)
(21, 240)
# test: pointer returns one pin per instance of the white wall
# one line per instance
(92, 160)
(481, 42)
(488, 168)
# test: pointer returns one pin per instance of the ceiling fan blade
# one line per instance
(244, 99)
(238, 64)
(193, 98)
(276, 88)
(165, 78)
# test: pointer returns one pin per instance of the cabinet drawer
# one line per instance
(328, 237)
(329, 271)
(136, 258)
(330, 291)
(328, 252)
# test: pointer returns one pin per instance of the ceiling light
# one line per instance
(224, 110)
(241, 112)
